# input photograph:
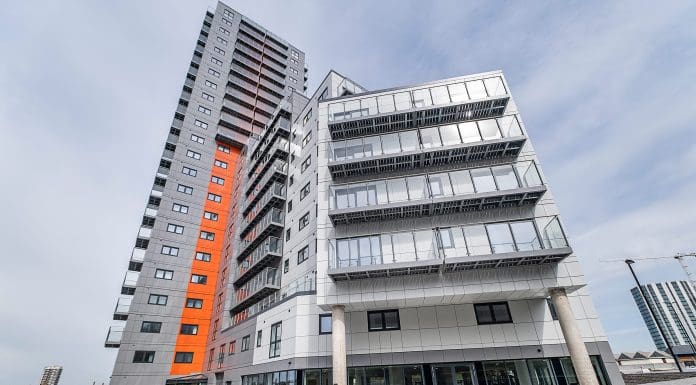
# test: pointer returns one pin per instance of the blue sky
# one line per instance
(88, 90)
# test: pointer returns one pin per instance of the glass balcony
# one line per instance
(411, 108)
(278, 149)
(280, 127)
(271, 224)
(122, 308)
(479, 246)
(273, 198)
(267, 253)
(131, 278)
(261, 181)
(508, 185)
(432, 146)
(114, 336)
(262, 284)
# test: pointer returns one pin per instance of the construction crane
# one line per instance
(679, 257)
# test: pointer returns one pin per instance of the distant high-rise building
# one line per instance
(675, 306)
(51, 375)
(400, 236)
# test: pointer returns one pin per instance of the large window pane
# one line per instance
(391, 319)
(409, 140)
(510, 126)
(390, 143)
(461, 182)
(440, 185)
(397, 190)
(376, 248)
(371, 193)
(430, 137)
(477, 240)
(375, 376)
(476, 89)
(343, 252)
(483, 180)
(381, 187)
(464, 375)
(440, 95)
(365, 250)
(450, 135)
(416, 187)
(403, 101)
(495, 86)
(501, 239)
(360, 195)
(369, 106)
(425, 244)
(386, 103)
(338, 150)
(452, 242)
(505, 177)
(528, 173)
(421, 98)
(352, 109)
(354, 148)
(372, 146)
(458, 92)
(336, 111)
(525, 236)
(489, 129)
(387, 251)
(469, 132)
(552, 234)
(404, 248)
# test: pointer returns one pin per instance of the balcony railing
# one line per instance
(278, 170)
(131, 278)
(481, 246)
(279, 128)
(267, 253)
(279, 149)
(437, 105)
(484, 188)
(432, 146)
(273, 198)
(122, 308)
(113, 337)
(271, 224)
(262, 284)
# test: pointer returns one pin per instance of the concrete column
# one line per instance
(578, 352)
(338, 342)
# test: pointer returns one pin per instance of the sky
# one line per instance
(88, 91)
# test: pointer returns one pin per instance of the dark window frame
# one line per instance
(327, 315)
(150, 329)
(183, 357)
(245, 343)
(275, 344)
(384, 323)
(304, 252)
(192, 327)
(144, 356)
(490, 306)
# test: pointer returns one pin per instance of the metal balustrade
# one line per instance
(273, 198)
(113, 337)
(122, 308)
(269, 252)
(262, 284)
(277, 171)
(270, 224)
(536, 241)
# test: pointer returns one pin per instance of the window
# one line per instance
(304, 221)
(189, 329)
(197, 139)
(221, 40)
(304, 191)
(307, 138)
(211, 84)
(213, 72)
(193, 154)
(274, 348)
(306, 118)
(259, 334)
(286, 266)
(215, 60)
(204, 110)
(219, 50)
(210, 216)
(214, 197)
(292, 79)
(552, 309)
(157, 299)
(143, 356)
(200, 256)
(150, 327)
(289, 205)
(154, 201)
(207, 235)
(141, 243)
(295, 54)
(228, 13)
(217, 180)
(224, 149)
(189, 171)
(325, 323)
(164, 274)
(194, 303)
(295, 71)
(383, 320)
(199, 279)
(224, 31)
(160, 181)
(232, 347)
(220, 163)
(292, 180)
(303, 255)
(184, 189)
(172, 228)
(148, 222)
(180, 208)
(245, 343)
(200, 124)
(169, 250)
(324, 94)
(183, 357)
(305, 164)
(208, 97)
(492, 313)
(287, 234)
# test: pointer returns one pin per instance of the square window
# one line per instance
(194, 303)
(142, 356)
(383, 320)
(183, 357)
(150, 327)
(492, 313)
(157, 299)
(325, 324)
(200, 256)
(199, 279)
(164, 274)
(189, 329)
